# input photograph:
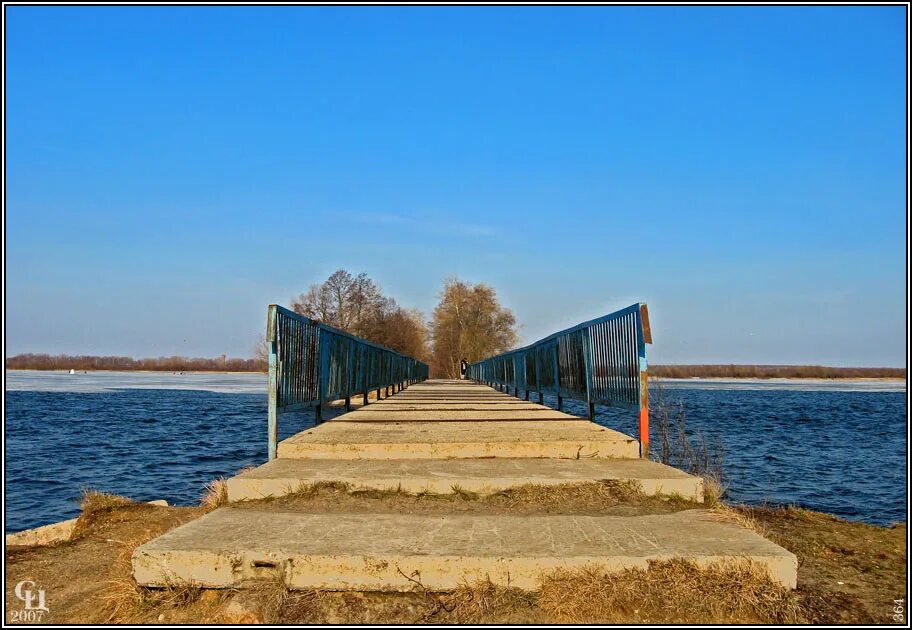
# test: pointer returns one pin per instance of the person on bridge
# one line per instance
(463, 366)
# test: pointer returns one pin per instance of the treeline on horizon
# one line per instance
(159, 364)
(772, 371)
(199, 364)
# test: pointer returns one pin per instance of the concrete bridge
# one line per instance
(443, 436)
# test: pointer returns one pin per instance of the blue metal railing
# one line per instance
(602, 361)
(311, 363)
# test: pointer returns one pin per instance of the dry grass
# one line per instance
(673, 591)
(215, 494)
(482, 602)
(670, 591)
(122, 600)
(737, 515)
(601, 493)
(602, 497)
(94, 501)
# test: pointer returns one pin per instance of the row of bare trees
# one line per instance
(468, 321)
(158, 364)
(356, 304)
(773, 371)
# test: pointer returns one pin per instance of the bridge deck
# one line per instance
(456, 419)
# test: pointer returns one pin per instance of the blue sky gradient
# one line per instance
(171, 171)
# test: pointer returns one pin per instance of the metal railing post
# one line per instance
(587, 361)
(644, 336)
(322, 376)
(272, 421)
(560, 399)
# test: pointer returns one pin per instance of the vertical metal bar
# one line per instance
(272, 421)
(322, 372)
(557, 382)
(587, 361)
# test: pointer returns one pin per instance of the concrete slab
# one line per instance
(484, 476)
(455, 439)
(480, 414)
(375, 552)
(461, 405)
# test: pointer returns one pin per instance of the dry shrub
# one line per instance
(686, 448)
(672, 591)
(96, 507)
(215, 494)
(94, 501)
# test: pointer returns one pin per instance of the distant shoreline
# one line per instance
(768, 379)
(67, 371)
(748, 379)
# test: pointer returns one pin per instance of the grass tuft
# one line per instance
(96, 507)
(215, 494)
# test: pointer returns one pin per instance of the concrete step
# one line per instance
(446, 413)
(376, 552)
(484, 476)
(571, 439)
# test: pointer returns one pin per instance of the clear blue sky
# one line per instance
(171, 171)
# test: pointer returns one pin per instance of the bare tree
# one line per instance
(356, 304)
(469, 323)
(261, 351)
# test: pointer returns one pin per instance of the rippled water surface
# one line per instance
(836, 447)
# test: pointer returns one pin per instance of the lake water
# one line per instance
(838, 447)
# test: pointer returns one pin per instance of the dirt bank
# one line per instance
(848, 572)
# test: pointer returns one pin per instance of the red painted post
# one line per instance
(644, 336)
(644, 415)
